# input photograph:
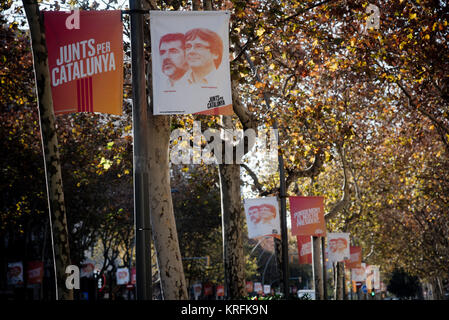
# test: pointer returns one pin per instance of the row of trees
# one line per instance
(362, 118)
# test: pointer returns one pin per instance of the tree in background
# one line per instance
(403, 285)
(196, 200)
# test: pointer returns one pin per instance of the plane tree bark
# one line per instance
(58, 220)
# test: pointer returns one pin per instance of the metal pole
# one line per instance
(318, 276)
(284, 230)
(140, 162)
(323, 255)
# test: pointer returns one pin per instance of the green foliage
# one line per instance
(196, 202)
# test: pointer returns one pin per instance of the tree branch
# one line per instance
(257, 184)
(304, 10)
(343, 202)
(421, 110)
(245, 117)
(310, 172)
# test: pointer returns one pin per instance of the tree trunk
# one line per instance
(58, 220)
(437, 289)
(231, 206)
(165, 236)
(163, 225)
(339, 281)
(343, 281)
(317, 269)
(279, 258)
(232, 222)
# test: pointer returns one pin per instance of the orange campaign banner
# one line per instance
(220, 291)
(35, 272)
(355, 259)
(249, 286)
(307, 214)
(208, 289)
(304, 249)
(85, 61)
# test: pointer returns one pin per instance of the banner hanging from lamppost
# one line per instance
(338, 244)
(122, 275)
(359, 274)
(307, 214)
(304, 249)
(262, 217)
(190, 62)
(35, 272)
(14, 273)
(85, 60)
(355, 260)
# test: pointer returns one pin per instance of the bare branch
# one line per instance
(414, 107)
(257, 184)
(305, 9)
(344, 201)
(310, 172)
(245, 117)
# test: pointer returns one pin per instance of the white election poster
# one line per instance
(370, 271)
(266, 289)
(190, 60)
(15, 273)
(376, 276)
(87, 268)
(122, 276)
(338, 244)
(262, 217)
(258, 287)
(358, 274)
(197, 288)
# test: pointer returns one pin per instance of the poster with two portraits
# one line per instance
(262, 217)
(190, 62)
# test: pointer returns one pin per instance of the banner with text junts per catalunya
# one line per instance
(85, 60)
(307, 214)
(190, 60)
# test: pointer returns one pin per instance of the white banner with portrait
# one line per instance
(262, 217)
(376, 277)
(122, 275)
(14, 274)
(338, 244)
(359, 274)
(190, 61)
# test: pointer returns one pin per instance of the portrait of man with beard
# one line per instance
(190, 62)
(174, 64)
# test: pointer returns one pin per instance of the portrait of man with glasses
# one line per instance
(204, 52)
